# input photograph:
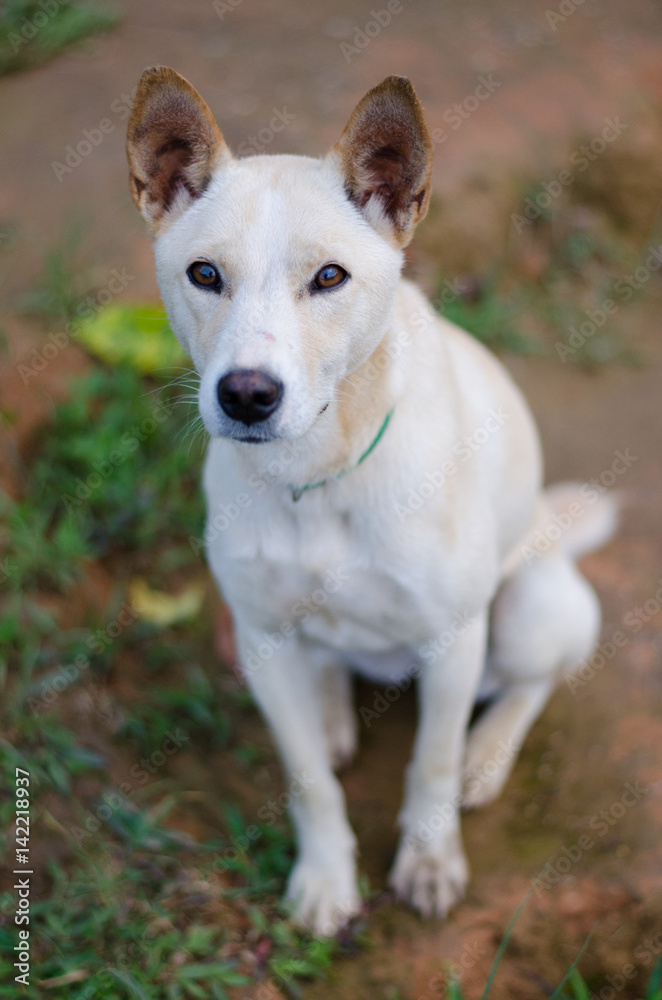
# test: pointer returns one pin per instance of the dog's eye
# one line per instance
(329, 276)
(205, 275)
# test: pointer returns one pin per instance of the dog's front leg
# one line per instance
(430, 869)
(322, 886)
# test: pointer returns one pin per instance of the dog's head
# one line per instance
(279, 273)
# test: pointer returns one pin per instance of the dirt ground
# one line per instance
(591, 770)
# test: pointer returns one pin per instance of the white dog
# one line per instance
(373, 477)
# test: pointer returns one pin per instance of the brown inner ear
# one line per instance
(169, 174)
(387, 167)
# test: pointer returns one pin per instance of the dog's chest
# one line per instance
(345, 581)
(358, 608)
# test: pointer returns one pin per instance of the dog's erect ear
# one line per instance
(386, 157)
(173, 143)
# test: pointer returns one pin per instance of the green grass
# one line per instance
(33, 31)
(117, 925)
(552, 278)
(494, 319)
(119, 912)
(195, 707)
(56, 293)
(578, 988)
(102, 479)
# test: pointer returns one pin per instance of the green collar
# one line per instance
(298, 491)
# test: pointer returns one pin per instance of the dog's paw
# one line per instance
(323, 897)
(430, 877)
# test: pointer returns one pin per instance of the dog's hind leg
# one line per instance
(545, 620)
(495, 741)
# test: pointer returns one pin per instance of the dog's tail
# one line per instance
(584, 518)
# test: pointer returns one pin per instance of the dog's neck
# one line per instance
(353, 422)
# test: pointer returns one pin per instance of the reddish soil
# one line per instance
(557, 83)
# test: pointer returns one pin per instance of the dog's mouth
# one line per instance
(252, 439)
(245, 435)
(258, 433)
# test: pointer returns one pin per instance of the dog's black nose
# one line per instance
(249, 395)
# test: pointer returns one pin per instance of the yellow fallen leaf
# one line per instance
(159, 608)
